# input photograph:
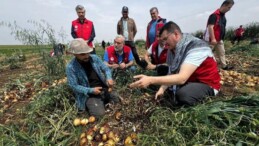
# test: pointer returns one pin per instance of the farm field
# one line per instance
(37, 107)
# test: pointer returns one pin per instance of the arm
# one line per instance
(104, 68)
(213, 40)
(186, 71)
(129, 64)
(148, 53)
(134, 28)
(73, 83)
(211, 22)
(92, 35)
(118, 27)
(73, 33)
(131, 59)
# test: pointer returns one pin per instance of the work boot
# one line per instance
(228, 67)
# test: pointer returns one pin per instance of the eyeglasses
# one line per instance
(166, 38)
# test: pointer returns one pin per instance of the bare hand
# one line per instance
(110, 83)
(122, 65)
(159, 93)
(115, 66)
(143, 81)
(97, 90)
(151, 66)
(213, 42)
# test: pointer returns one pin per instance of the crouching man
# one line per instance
(192, 68)
(89, 79)
(119, 56)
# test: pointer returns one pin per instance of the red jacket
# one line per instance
(207, 73)
(113, 58)
(158, 59)
(84, 30)
(160, 22)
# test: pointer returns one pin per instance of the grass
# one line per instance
(8, 50)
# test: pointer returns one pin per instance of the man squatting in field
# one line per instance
(119, 56)
(89, 78)
(192, 68)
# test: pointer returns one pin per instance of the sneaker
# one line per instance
(228, 67)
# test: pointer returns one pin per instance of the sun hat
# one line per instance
(79, 46)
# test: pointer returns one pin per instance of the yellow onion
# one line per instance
(77, 122)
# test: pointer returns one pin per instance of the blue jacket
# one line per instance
(78, 81)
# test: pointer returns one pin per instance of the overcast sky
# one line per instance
(190, 15)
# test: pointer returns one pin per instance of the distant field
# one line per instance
(26, 49)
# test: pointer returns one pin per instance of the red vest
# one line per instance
(207, 73)
(158, 59)
(159, 25)
(113, 58)
(83, 30)
(216, 27)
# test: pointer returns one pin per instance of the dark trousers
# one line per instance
(162, 70)
(134, 50)
(96, 103)
(193, 93)
(236, 38)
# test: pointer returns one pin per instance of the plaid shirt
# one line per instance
(78, 81)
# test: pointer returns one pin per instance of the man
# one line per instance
(215, 32)
(119, 56)
(103, 44)
(158, 54)
(126, 27)
(153, 26)
(89, 79)
(238, 34)
(83, 28)
(191, 67)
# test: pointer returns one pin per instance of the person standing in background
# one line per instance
(126, 27)
(215, 32)
(152, 27)
(238, 34)
(83, 28)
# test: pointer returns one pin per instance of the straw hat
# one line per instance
(79, 46)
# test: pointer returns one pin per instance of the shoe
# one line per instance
(228, 67)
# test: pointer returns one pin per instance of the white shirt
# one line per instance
(160, 49)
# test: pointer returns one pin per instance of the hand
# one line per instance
(151, 66)
(159, 93)
(115, 66)
(110, 83)
(97, 90)
(213, 42)
(143, 81)
(122, 65)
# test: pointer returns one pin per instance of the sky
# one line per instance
(190, 15)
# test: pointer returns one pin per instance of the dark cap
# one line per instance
(125, 9)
